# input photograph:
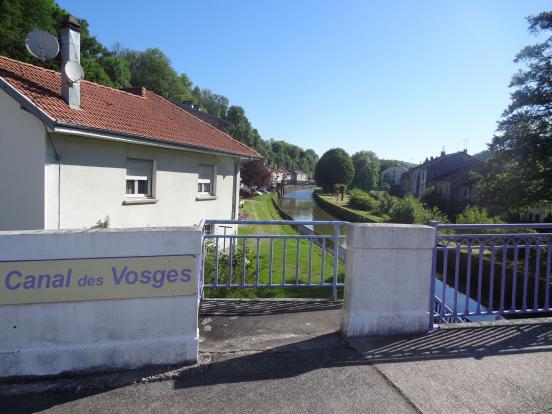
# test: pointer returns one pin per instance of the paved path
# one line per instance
(486, 368)
(286, 357)
(276, 357)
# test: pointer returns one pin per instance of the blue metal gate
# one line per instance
(272, 254)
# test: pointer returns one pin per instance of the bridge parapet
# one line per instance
(386, 283)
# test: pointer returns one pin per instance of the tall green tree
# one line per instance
(153, 70)
(367, 167)
(18, 17)
(521, 151)
(334, 167)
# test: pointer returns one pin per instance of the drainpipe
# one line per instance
(235, 190)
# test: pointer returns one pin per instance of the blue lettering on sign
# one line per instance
(15, 280)
(157, 278)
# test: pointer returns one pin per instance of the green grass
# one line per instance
(344, 205)
(296, 266)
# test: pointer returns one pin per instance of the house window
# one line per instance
(205, 180)
(139, 177)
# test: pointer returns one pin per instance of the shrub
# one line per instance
(361, 200)
(385, 201)
(224, 259)
(410, 210)
(102, 224)
(476, 215)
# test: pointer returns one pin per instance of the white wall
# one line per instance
(388, 173)
(387, 279)
(22, 153)
(50, 338)
(92, 185)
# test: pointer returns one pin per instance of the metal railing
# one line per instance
(263, 254)
(490, 269)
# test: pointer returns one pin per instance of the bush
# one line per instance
(384, 200)
(476, 215)
(224, 261)
(361, 200)
(410, 210)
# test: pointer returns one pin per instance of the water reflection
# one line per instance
(461, 302)
(300, 205)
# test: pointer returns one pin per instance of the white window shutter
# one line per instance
(139, 169)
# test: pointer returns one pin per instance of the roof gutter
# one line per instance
(70, 129)
(26, 103)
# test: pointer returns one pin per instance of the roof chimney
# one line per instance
(70, 50)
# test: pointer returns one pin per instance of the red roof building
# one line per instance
(136, 113)
(127, 155)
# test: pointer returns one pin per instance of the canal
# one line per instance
(300, 205)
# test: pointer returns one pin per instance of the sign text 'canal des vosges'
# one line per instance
(95, 279)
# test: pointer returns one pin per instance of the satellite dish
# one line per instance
(74, 71)
(42, 44)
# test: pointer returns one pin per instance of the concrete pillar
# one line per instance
(387, 279)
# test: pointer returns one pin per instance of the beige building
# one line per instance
(130, 156)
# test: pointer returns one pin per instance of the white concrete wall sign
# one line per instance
(100, 278)
(387, 279)
(55, 337)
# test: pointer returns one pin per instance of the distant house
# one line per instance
(287, 175)
(393, 175)
(300, 176)
(219, 123)
(73, 153)
(449, 174)
(277, 176)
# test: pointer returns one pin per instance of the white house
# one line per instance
(277, 175)
(72, 154)
(393, 174)
(300, 176)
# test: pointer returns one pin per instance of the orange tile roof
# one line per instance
(144, 115)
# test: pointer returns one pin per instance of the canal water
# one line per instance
(300, 205)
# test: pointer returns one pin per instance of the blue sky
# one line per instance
(400, 78)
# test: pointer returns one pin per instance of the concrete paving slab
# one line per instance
(276, 357)
(505, 368)
(258, 325)
(315, 381)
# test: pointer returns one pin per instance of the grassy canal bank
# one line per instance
(341, 210)
(296, 270)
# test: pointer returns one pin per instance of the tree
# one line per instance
(19, 17)
(432, 198)
(334, 167)
(153, 70)
(255, 174)
(521, 151)
(367, 169)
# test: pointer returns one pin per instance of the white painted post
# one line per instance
(387, 279)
